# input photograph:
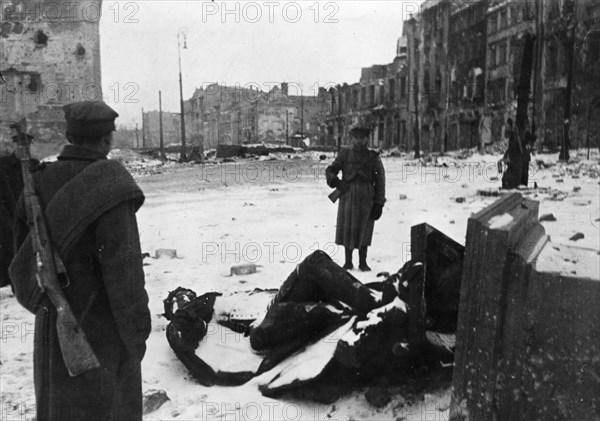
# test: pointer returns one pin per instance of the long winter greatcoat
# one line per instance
(363, 170)
(11, 185)
(107, 290)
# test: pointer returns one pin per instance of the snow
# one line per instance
(500, 221)
(204, 213)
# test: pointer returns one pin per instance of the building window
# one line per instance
(504, 18)
(493, 27)
(551, 60)
(492, 58)
(403, 87)
(501, 54)
(372, 94)
(392, 88)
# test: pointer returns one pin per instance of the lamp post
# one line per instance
(182, 32)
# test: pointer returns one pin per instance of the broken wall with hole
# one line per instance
(50, 56)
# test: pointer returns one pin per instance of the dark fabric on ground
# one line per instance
(299, 306)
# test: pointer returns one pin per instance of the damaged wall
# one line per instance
(50, 56)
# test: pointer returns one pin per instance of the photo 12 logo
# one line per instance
(49, 11)
(269, 11)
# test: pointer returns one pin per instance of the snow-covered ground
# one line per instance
(275, 213)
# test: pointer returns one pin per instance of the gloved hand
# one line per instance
(336, 183)
(333, 182)
(376, 211)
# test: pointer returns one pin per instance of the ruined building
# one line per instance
(569, 88)
(150, 130)
(427, 35)
(50, 56)
(233, 115)
(507, 24)
(378, 101)
(466, 63)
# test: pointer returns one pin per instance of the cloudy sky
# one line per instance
(262, 43)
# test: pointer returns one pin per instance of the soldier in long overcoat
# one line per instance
(11, 186)
(363, 188)
(513, 157)
(105, 286)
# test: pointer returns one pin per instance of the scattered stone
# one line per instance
(493, 178)
(489, 192)
(452, 222)
(560, 180)
(245, 269)
(460, 200)
(322, 157)
(547, 217)
(577, 236)
(154, 399)
(576, 188)
(403, 197)
(170, 253)
(465, 186)
(582, 202)
(378, 396)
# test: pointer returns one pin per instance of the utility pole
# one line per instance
(183, 32)
(160, 125)
(143, 130)
(137, 143)
(339, 119)
(287, 131)
(302, 113)
(570, 47)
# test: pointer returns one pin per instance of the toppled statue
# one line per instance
(321, 323)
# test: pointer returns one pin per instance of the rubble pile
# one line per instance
(136, 163)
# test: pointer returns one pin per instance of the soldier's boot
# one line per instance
(348, 264)
(362, 259)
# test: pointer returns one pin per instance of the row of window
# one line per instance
(367, 96)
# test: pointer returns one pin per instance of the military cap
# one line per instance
(360, 131)
(89, 118)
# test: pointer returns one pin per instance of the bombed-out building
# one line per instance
(508, 25)
(467, 125)
(377, 101)
(151, 127)
(50, 56)
(236, 115)
(569, 87)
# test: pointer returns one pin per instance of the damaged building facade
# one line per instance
(378, 101)
(570, 69)
(234, 115)
(151, 126)
(50, 57)
(466, 60)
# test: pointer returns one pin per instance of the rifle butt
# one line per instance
(335, 195)
(77, 353)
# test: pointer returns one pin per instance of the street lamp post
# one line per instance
(181, 32)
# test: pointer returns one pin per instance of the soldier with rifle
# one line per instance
(11, 186)
(362, 195)
(79, 269)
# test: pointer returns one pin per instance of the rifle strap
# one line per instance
(99, 187)
(88, 306)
